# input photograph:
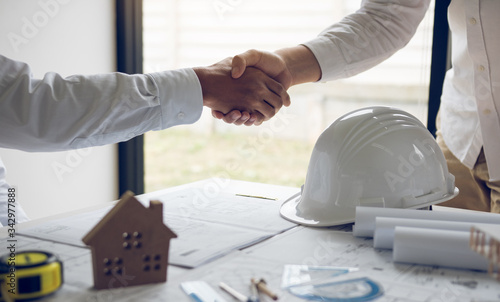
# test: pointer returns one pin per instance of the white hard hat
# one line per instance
(376, 156)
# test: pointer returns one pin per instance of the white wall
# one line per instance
(68, 37)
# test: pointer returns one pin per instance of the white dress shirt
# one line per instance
(56, 113)
(471, 91)
(469, 114)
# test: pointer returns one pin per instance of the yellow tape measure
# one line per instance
(29, 275)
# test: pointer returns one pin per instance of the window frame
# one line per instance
(129, 60)
(440, 61)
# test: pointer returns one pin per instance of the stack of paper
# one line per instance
(425, 237)
(485, 239)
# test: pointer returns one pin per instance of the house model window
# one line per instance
(130, 245)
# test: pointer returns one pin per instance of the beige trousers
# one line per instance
(476, 191)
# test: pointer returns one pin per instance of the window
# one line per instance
(181, 34)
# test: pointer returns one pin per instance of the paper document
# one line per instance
(209, 218)
(436, 247)
(322, 247)
(385, 226)
(364, 225)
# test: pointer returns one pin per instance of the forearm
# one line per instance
(56, 113)
(301, 63)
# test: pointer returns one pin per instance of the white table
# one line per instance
(266, 259)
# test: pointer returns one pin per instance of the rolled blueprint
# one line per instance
(383, 237)
(436, 247)
(364, 225)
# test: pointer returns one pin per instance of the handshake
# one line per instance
(251, 87)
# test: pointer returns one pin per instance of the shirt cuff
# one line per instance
(329, 57)
(180, 95)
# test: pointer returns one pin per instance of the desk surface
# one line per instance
(266, 259)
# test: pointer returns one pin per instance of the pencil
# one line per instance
(233, 292)
(262, 286)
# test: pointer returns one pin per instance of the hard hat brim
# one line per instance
(289, 211)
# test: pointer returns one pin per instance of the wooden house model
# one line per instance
(130, 245)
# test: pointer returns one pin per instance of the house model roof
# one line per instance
(134, 212)
(130, 240)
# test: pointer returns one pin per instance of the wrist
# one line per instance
(203, 74)
(301, 64)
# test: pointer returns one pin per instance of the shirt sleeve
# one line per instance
(79, 111)
(367, 37)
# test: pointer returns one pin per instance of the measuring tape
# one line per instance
(29, 275)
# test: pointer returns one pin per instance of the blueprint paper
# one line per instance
(69, 230)
(223, 208)
(208, 217)
(308, 246)
(78, 276)
(384, 228)
(436, 247)
(335, 246)
(364, 225)
(320, 246)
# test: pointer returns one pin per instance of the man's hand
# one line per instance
(289, 66)
(271, 64)
(253, 95)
